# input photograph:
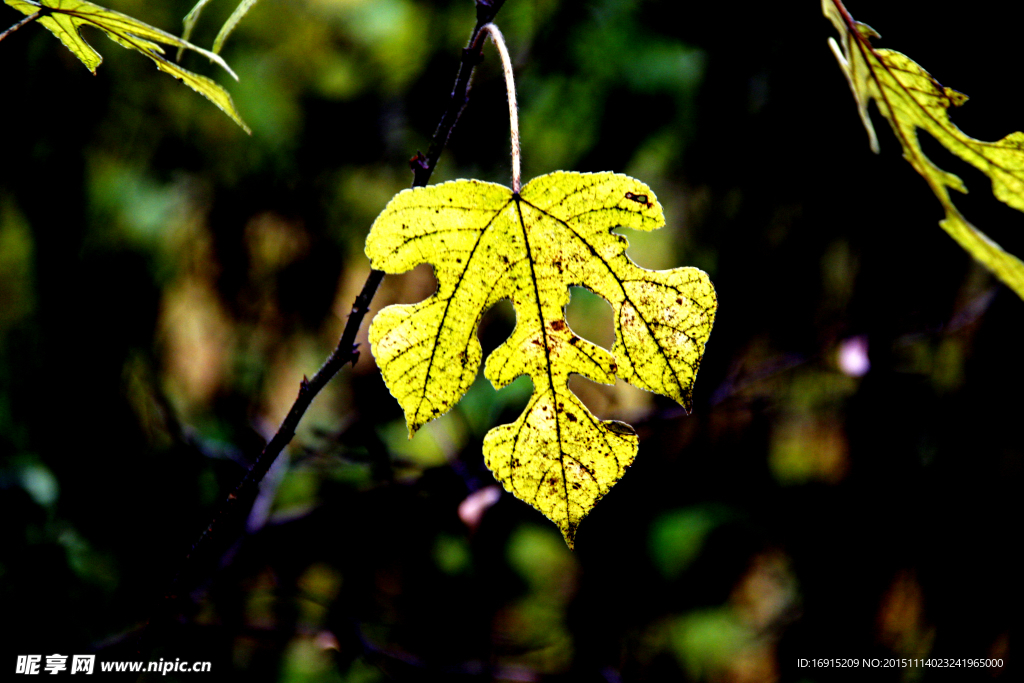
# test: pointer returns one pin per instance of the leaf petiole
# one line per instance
(513, 108)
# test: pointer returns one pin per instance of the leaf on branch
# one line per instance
(910, 98)
(65, 19)
(243, 8)
(193, 16)
(189, 23)
(486, 244)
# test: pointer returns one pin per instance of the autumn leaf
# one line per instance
(910, 99)
(486, 244)
(65, 19)
(189, 23)
(243, 8)
(193, 16)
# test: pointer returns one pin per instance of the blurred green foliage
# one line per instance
(166, 281)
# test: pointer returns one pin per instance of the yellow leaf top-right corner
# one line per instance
(487, 243)
(910, 99)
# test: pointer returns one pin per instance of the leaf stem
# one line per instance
(29, 18)
(422, 166)
(513, 109)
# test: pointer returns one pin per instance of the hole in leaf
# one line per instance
(621, 401)
(598, 398)
(648, 248)
(496, 325)
(590, 317)
(511, 401)
(483, 408)
(413, 286)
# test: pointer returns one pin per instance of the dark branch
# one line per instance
(471, 55)
(242, 498)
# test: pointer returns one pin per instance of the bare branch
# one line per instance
(241, 499)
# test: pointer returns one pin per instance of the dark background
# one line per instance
(166, 281)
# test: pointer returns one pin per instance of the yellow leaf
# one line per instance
(189, 23)
(910, 98)
(243, 8)
(487, 244)
(65, 19)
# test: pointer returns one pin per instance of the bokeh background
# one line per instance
(848, 484)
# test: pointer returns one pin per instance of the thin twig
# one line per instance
(242, 497)
(423, 166)
(31, 17)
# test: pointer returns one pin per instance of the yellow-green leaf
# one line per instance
(910, 99)
(65, 19)
(243, 8)
(189, 23)
(486, 244)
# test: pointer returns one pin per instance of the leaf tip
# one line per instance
(569, 534)
(866, 31)
(413, 423)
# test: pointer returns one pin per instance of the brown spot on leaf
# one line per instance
(571, 417)
(558, 325)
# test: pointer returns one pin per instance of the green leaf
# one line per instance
(193, 16)
(910, 99)
(65, 19)
(189, 23)
(486, 244)
(229, 25)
